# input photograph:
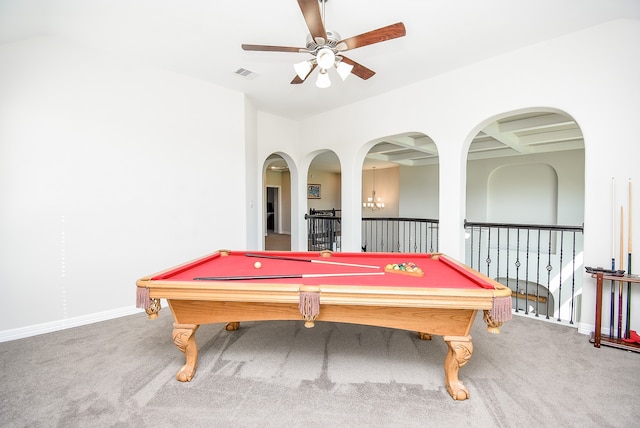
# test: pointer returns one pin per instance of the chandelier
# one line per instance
(372, 202)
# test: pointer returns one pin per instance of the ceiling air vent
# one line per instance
(247, 74)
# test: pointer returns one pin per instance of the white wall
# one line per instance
(252, 178)
(330, 196)
(419, 187)
(569, 201)
(591, 75)
(108, 172)
(419, 196)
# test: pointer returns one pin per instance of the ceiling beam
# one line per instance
(537, 122)
(508, 139)
(485, 144)
(424, 145)
(558, 147)
(490, 154)
(551, 136)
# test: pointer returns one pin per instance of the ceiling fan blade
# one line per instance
(358, 69)
(297, 80)
(311, 12)
(375, 36)
(273, 48)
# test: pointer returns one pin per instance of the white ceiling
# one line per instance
(202, 38)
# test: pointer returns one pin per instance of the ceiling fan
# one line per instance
(327, 47)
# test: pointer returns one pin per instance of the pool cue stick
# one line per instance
(613, 258)
(627, 325)
(621, 267)
(612, 309)
(326, 262)
(613, 224)
(303, 275)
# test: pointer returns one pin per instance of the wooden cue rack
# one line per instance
(596, 337)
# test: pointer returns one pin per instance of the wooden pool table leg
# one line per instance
(184, 336)
(424, 336)
(460, 350)
(232, 326)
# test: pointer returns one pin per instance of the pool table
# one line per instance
(431, 294)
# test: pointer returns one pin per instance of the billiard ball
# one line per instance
(257, 265)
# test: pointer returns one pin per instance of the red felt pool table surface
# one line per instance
(444, 301)
(439, 272)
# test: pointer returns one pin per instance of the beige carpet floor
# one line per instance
(121, 373)
(277, 242)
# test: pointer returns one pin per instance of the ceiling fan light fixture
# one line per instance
(302, 69)
(326, 46)
(344, 69)
(323, 79)
(326, 58)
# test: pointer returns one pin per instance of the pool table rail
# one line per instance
(337, 295)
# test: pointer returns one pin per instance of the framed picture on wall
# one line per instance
(313, 191)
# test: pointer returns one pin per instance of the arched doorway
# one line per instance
(525, 209)
(277, 204)
(324, 203)
(400, 194)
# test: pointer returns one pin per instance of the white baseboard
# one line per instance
(582, 328)
(587, 328)
(49, 327)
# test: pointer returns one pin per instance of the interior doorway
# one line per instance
(276, 208)
(273, 210)
(274, 238)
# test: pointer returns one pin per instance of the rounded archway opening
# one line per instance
(400, 194)
(324, 203)
(277, 204)
(525, 208)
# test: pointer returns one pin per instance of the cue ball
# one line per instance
(257, 265)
